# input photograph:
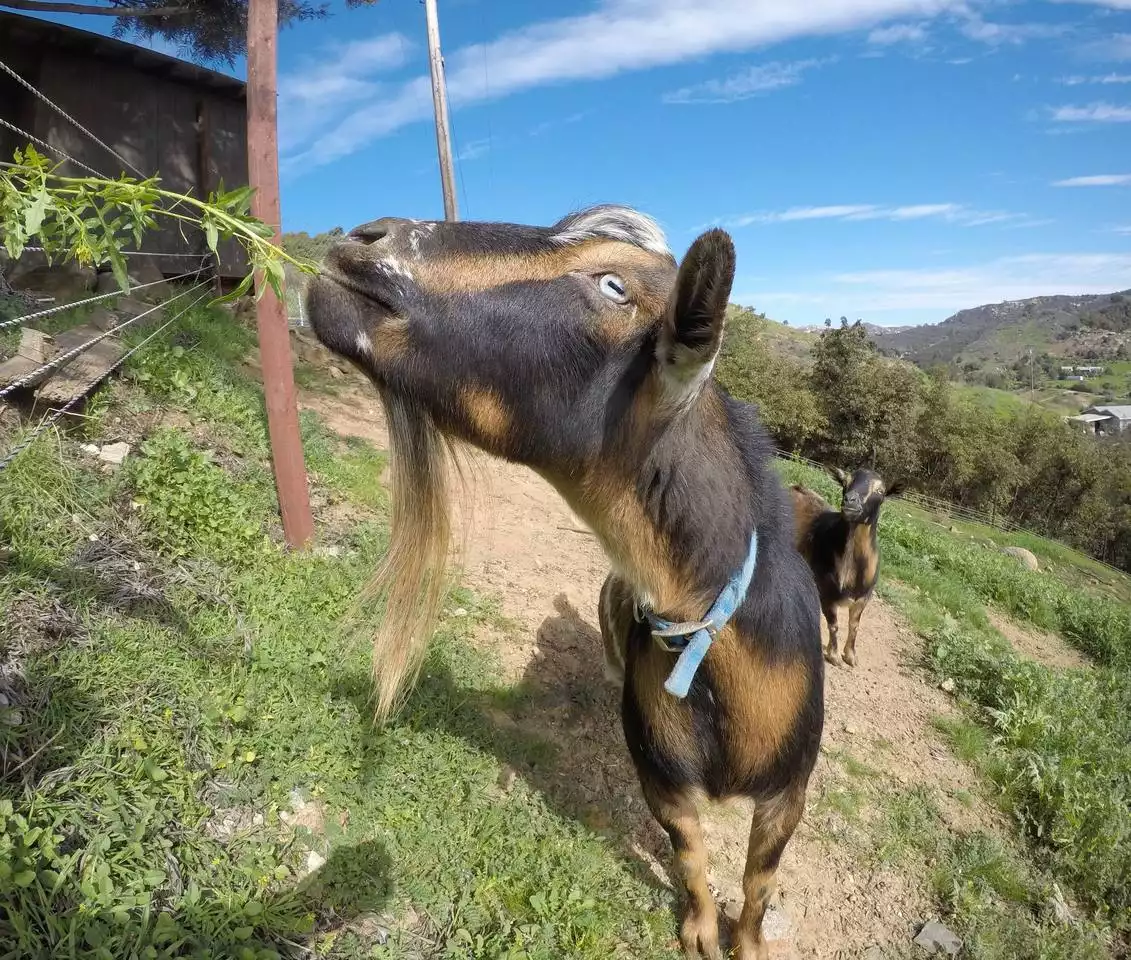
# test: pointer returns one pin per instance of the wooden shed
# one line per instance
(164, 116)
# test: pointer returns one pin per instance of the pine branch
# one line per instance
(47, 6)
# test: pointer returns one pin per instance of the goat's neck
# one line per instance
(860, 535)
(680, 524)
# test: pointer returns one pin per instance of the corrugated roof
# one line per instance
(1091, 417)
(1122, 411)
(31, 30)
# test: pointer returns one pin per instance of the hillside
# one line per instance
(998, 334)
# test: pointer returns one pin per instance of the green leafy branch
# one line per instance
(88, 219)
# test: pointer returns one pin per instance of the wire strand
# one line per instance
(102, 296)
(51, 149)
(63, 113)
(70, 354)
(58, 414)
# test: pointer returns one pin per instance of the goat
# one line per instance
(584, 351)
(842, 550)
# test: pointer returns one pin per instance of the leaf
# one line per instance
(25, 878)
(240, 290)
(118, 266)
(35, 212)
(211, 234)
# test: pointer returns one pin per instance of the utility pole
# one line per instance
(270, 313)
(440, 108)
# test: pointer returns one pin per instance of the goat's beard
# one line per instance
(412, 577)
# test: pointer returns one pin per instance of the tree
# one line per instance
(203, 30)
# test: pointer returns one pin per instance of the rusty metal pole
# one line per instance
(271, 316)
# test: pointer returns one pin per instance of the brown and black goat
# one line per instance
(842, 550)
(584, 351)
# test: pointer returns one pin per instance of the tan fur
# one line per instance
(774, 822)
(391, 340)
(487, 416)
(760, 699)
(807, 506)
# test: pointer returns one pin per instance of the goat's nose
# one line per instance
(375, 230)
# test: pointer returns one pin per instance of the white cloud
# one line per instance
(1106, 78)
(1092, 113)
(1000, 34)
(745, 84)
(1124, 231)
(1098, 180)
(616, 37)
(474, 150)
(898, 33)
(321, 91)
(948, 212)
(947, 290)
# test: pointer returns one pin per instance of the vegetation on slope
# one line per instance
(850, 406)
(1054, 742)
(185, 728)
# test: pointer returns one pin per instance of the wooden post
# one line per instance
(440, 108)
(271, 316)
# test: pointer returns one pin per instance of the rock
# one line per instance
(1023, 556)
(334, 372)
(936, 938)
(63, 281)
(314, 861)
(851, 730)
(332, 550)
(108, 283)
(776, 925)
(947, 686)
(145, 270)
(507, 777)
(102, 319)
(114, 453)
(459, 612)
(92, 448)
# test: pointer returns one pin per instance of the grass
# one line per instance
(1055, 743)
(187, 727)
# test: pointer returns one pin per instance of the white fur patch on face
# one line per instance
(394, 266)
(613, 223)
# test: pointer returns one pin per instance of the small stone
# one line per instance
(257, 820)
(507, 777)
(328, 551)
(936, 938)
(335, 373)
(732, 910)
(314, 861)
(947, 686)
(114, 453)
(776, 925)
(851, 730)
(459, 612)
(874, 953)
(91, 448)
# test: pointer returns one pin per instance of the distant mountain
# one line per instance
(999, 333)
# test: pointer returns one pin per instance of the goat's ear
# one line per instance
(895, 489)
(840, 476)
(693, 327)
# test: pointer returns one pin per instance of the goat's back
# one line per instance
(808, 505)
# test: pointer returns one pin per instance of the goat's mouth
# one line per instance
(852, 513)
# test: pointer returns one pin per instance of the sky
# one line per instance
(890, 160)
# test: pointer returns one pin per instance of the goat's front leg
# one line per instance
(834, 635)
(855, 609)
(676, 813)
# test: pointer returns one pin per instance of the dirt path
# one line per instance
(525, 550)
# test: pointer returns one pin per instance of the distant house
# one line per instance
(1105, 419)
(1076, 377)
(162, 115)
(1090, 371)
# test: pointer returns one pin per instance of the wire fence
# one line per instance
(196, 281)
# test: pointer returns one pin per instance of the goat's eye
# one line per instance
(613, 288)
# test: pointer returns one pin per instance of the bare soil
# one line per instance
(1046, 648)
(528, 551)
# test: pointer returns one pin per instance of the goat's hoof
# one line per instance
(833, 657)
(850, 658)
(699, 934)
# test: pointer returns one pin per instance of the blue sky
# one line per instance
(895, 160)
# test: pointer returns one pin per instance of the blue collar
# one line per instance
(692, 640)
